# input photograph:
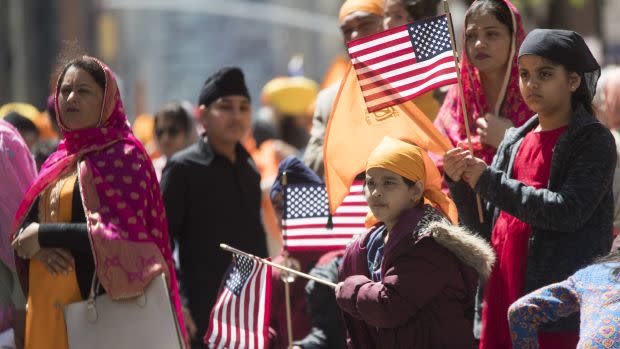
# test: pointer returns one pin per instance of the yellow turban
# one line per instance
(370, 6)
(290, 95)
(24, 109)
(29, 111)
(414, 164)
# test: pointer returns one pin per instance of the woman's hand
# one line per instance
(26, 244)
(56, 260)
(454, 163)
(491, 129)
(475, 167)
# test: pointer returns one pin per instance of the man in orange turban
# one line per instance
(358, 18)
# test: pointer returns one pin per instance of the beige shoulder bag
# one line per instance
(146, 321)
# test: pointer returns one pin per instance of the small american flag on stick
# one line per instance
(240, 318)
(306, 218)
(401, 63)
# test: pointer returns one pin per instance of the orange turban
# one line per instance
(414, 164)
(144, 127)
(370, 6)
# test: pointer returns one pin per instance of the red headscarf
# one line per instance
(450, 119)
(122, 200)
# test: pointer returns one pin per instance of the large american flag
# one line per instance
(240, 318)
(306, 216)
(401, 63)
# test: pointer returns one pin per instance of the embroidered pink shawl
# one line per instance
(450, 119)
(121, 196)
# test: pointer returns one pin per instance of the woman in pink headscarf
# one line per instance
(17, 170)
(94, 210)
(493, 35)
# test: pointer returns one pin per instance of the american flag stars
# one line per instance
(240, 274)
(306, 227)
(430, 38)
(307, 201)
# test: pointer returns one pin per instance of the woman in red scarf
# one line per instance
(493, 35)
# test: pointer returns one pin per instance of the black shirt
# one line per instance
(210, 200)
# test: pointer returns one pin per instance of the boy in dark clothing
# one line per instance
(212, 195)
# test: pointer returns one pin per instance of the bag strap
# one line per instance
(94, 287)
(91, 307)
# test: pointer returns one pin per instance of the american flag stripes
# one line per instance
(240, 318)
(401, 63)
(305, 225)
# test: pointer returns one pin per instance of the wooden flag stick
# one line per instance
(289, 322)
(275, 265)
(285, 279)
(446, 8)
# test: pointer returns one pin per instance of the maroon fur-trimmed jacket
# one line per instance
(430, 271)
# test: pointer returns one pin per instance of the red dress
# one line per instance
(510, 241)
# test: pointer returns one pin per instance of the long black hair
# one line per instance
(583, 96)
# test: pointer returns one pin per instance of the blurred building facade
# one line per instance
(30, 35)
(163, 50)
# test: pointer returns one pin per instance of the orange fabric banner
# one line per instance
(353, 133)
(336, 71)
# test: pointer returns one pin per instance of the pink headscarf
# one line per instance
(122, 200)
(17, 170)
(450, 119)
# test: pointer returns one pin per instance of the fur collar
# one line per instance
(470, 248)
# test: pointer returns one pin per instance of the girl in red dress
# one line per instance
(547, 195)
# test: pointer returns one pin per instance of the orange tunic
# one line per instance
(48, 294)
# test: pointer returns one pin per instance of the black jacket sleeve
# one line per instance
(587, 180)
(173, 189)
(73, 236)
(327, 330)
(466, 203)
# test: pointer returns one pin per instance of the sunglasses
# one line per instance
(171, 131)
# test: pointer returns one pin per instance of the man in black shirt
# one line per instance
(212, 195)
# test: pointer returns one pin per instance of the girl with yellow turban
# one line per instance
(411, 280)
